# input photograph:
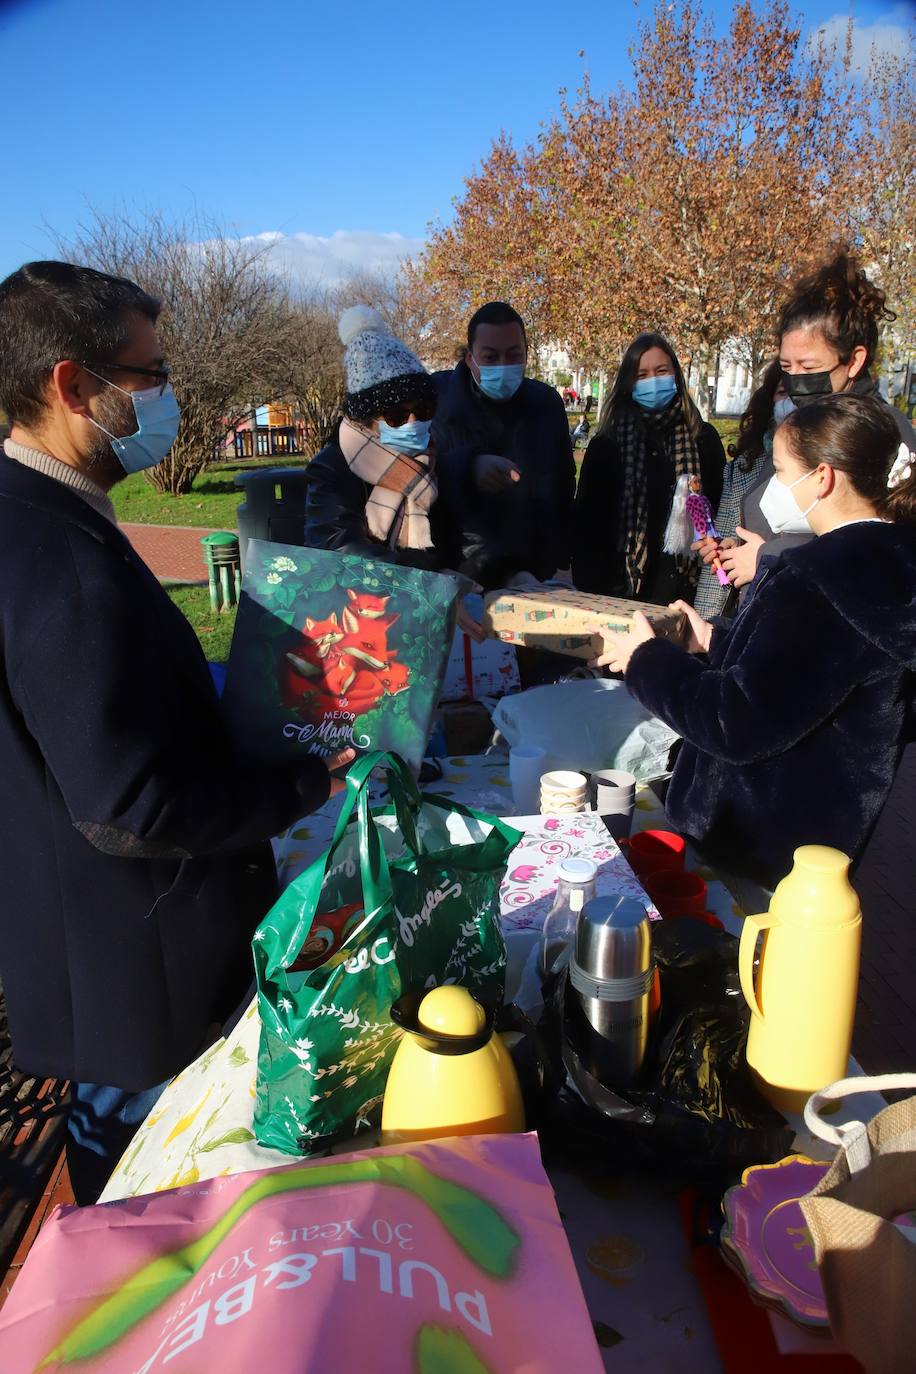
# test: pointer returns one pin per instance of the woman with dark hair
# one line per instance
(794, 714)
(649, 434)
(828, 338)
(751, 462)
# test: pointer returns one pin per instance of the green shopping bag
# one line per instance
(406, 897)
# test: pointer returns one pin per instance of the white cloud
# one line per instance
(311, 259)
(885, 37)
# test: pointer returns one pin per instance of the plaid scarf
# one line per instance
(403, 488)
(669, 432)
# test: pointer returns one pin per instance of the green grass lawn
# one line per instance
(211, 502)
(213, 628)
(728, 429)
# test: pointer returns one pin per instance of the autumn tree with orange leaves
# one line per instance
(684, 204)
(885, 202)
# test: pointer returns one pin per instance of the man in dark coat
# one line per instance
(133, 841)
(504, 439)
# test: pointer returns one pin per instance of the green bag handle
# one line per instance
(373, 862)
(405, 794)
(407, 799)
(497, 846)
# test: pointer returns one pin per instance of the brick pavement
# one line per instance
(172, 552)
(57, 1193)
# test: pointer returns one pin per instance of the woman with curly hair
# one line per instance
(828, 338)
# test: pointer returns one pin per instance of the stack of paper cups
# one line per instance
(614, 796)
(563, 793)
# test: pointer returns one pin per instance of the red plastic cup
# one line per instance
(652, 850)
(673, 888)
(707, 917)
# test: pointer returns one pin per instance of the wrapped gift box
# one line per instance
(564, 621)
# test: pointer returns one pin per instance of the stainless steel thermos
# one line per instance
(610, 979)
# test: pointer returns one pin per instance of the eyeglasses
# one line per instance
(161, 375)
(399, 415)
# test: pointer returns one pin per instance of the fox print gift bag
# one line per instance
(332, 651)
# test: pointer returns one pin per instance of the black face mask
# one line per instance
(807, 386)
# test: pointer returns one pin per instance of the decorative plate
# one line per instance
(766, 1239)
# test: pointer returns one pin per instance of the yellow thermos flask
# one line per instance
(451, 1074)
(804, 1002)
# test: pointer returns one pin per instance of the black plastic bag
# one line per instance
(695, 1111)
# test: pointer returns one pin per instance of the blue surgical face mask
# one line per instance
(654, 393)
(157, 416)
(500, 383)
(783, 407)
(410, 438)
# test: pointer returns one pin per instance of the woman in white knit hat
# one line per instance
(374, 489)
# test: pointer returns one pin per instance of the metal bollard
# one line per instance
(224, 569)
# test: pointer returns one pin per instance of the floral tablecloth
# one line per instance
(625, 1237)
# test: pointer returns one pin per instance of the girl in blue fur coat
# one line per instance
(794, 714)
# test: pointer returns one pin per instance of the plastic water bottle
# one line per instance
(575, 886)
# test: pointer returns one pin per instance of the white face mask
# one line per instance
(781, 510)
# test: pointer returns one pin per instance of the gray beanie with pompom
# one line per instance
(380, 370)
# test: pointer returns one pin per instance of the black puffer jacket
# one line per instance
(794, 725)
(528, 527)
(335, 516)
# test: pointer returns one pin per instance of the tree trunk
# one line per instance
(701, 359)
(175, 475)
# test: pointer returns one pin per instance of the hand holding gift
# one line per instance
(334, 764)
(697, 631)
(620, 648)
(691, 525)
(709, 548)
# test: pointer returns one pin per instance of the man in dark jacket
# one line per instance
(504, 439)
(132, 838)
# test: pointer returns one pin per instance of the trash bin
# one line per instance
(224, 569)
(274, 506)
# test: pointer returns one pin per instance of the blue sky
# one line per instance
(342, 128)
